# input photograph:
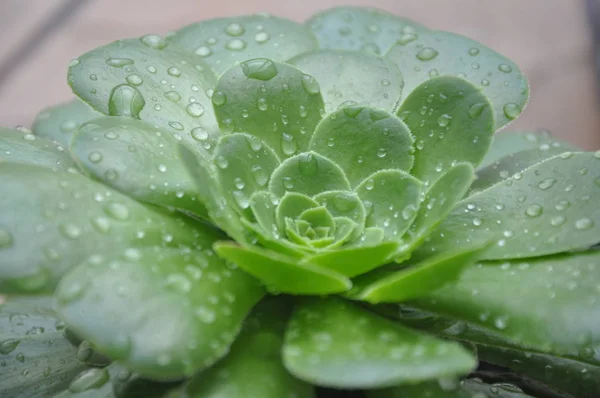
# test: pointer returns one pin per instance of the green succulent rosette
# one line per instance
(256, 207)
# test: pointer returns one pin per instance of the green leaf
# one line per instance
(22, 147)
(548, 304)
(345, 204)
(224, 42)
(358, 28)
(263, 204)
(499, 390)
(333, 343)
(283, 274)
(468, 388)
(253, 367)
(348, 77)
(440, 199)
(59, 122)
(273, 101)
(36, 357)
(68, 218)
(451, 120)
(428, 54)
(414, 282)
(353, 261)
(291, 205)
(548, 208)
(149, 80)
(507, 143)
(244, 166)
(364, 140)
(173, 312)
(137, 159)
(307, 173)
(391, 199)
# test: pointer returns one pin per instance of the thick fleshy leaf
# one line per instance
(308, 173)
(345, 204)
(149, 80)
(440, 199)
(364, 140)
(548, 208)
(333, 343)
(273, 101)
(291, 205)
(283, 274)
(164, 313)
(253, 367)
(549, 304)
(59, 122)
(507, 143)
(427, 54)
(224, 42)
(36, 357)
(244, 166)
(414, 282)
(137, 159)
(263, 206)
(20, 146)
(451, 120)
(356, 28)
(391, 199)
(354, 261)
(68, 218)
(349, 77)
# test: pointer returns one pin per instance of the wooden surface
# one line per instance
(549, 39)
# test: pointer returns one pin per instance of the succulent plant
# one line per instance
(253, 207)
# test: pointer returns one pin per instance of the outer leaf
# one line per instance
(349, 77)
(451, 120)
(273, 101)
(137, 159)
(68, 218)
(391, 198)
(364, 140)
(549, 304)
(244, 166)
(172, 312)
(149, 80)
(20, 146)
(253, 368)
(59, 122)
(548, 208)
(414, 282)
(282, 274)
(333, 343)
(37, 359)
(358, 28)
(428, 54)
(507, 143)
(223, 42)
(308, 173)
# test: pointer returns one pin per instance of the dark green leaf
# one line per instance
(364, 140)
(451, 120)
(137, 159)
(164, 313)
(59, 122)
(333, 343)
(224, 42)
(149, 80)
(68, 218)
(349, 77)
(273, 101)
(428, 54)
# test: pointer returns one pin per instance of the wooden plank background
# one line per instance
(550, 40)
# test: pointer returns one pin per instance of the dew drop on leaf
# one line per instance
(6, 239)
(427, 54)
(236, 45)
(310, 84)
(119, 62)
(125, 100)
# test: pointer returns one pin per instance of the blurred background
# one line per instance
(553, 41)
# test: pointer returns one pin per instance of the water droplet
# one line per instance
(162, 168)
(584, 224)
(119, 62)
(70, 231)
(476, 110)
(501, 322)
(221, 162)
(288, 144)
(95, 157)
(6, 239)
(557, 221)
(125, 100)
(219, 98)
(199, 134)
(259, 174)
(116, 211)
(89, 379)
(154, 41)
(261, 37)
(546, 183)
(151, 69)
(534, 210)
(135, 80)
(235, 29)
(310, 84)
(195, 109)
(370, 184)
(406, 38)
(206, 315)
(177, 126)
(512, 110)
(504, 68)
(444, 120)
(381, 153)
(259, 69)
(473, 51)
(101, 224)
(203, 51)
(427, 54)
(8, 346)
(173, 96)
(179, 283)
(236, 45)
(174, 71)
